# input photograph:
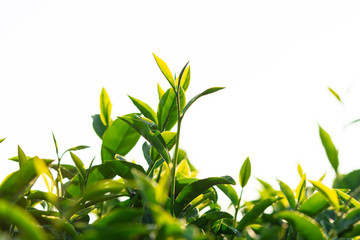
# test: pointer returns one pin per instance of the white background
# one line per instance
(275, 58)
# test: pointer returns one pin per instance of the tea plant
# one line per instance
(119, 199)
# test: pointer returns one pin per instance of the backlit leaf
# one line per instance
(335, 94)
(22, 157)
(245, 172)
(105, 108)
(347, 197)
(229, 192)
(328, 192)
(165, 70)
(300, 190)
(79, 165)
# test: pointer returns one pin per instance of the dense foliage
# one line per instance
(119, 199)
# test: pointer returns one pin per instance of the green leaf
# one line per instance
(185, 82)
(306, 226)
(331, 151)
(167, 112)
(328, 192)
(165, 70)
(13, 186)
(170, 140)
(120, 215)
(335, 94)
(79, 165)
(289, 194)
(348, 181)
(245, 172)
(208, 219)
(146, 186)
(22, 219)
(145, 109)
(346, 224)
(123, 168)
(123, 231)
(56, 145)
(347, 197)
(77, 148)
(255, 212)
(229, 192)
(355, 121)
(103, 188)
(144, 130)
(98, 125)
(67, 171)
(1, 140)
(105, 108)
(300, 190)
(119, 138)
(208, 91)
(160, 91)
(314, 205)
(194, 189)
(22, 157)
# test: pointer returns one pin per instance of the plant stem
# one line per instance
(237, 207)
(176, 153)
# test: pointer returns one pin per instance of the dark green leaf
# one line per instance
(121, 215)
(208, 91)
(255, 212)
(196, 188)
(210, 218)
(98, 125)
(123, 168)
(245, 172)
(146, 151)
(145, 109)
(144, 130)
(331, 151)
(169, 139)
(119, 138)
(306, 226)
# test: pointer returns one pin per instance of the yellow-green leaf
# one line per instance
(245, 172)
(328, 192)
(165, 70)
(105, 108)
(335, 94)
(331, 151)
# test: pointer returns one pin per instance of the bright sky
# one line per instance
(275, 58)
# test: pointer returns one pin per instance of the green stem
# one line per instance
(237, 207)
(176, 153)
